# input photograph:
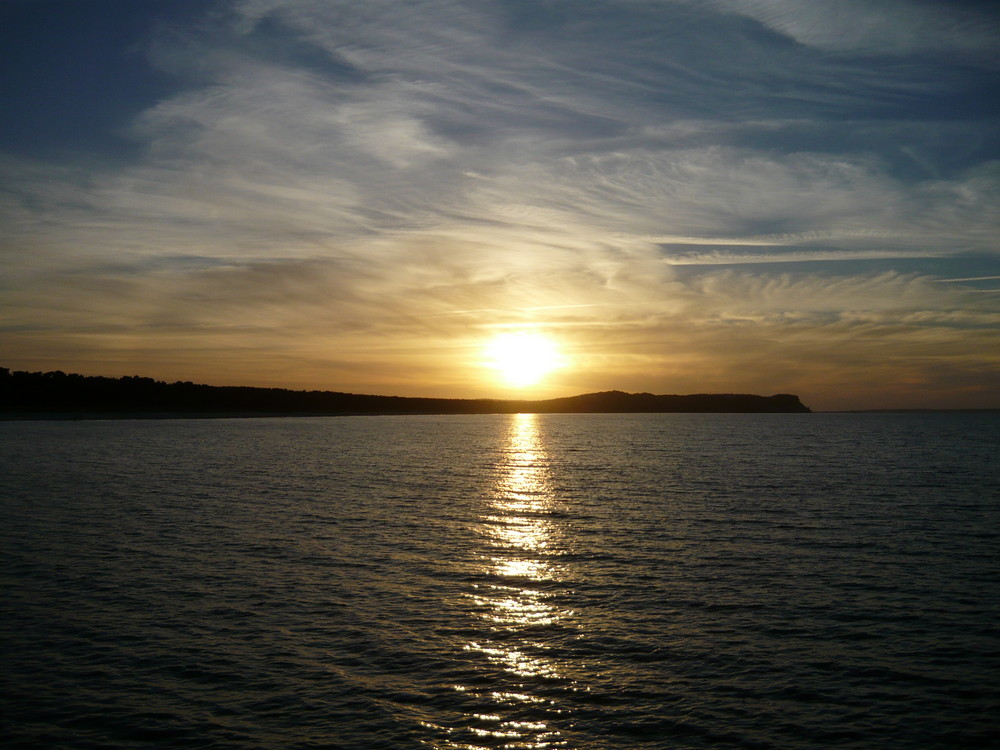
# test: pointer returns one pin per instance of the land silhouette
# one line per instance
(60, 395)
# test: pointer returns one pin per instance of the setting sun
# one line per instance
(523, 358)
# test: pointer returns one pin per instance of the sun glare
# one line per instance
(523, 358)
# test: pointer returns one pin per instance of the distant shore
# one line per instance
(108, 416)
(61, 396)
(42, 416)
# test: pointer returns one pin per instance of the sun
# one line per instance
(523, 358)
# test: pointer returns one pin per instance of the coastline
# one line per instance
(57, 395)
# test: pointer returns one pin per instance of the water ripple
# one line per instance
(560, 581)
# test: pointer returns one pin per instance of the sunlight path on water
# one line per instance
(519, 575)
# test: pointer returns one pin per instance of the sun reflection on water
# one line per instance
(520, 570)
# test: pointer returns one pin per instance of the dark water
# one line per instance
(557, 581)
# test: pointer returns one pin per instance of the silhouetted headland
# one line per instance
(55, 395)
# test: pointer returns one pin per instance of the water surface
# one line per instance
(503, 581)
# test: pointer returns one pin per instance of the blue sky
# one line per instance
(723, 195)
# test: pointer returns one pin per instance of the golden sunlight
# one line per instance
(523, 358)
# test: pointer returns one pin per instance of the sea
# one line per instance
(605, 581)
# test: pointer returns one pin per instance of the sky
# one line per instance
(679, 196)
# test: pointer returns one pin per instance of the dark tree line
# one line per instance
(61, 394)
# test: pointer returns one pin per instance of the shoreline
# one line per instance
(157, 416)
(118, 416)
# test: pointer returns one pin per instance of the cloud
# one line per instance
(893, 27)
(337, 189)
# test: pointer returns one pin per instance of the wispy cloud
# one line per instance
(974, 278)
(335, 190)
(884, 27)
